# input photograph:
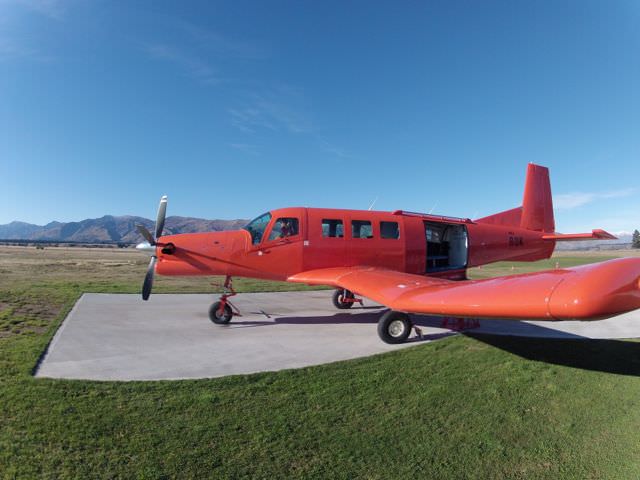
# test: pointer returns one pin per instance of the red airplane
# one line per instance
(409, 262)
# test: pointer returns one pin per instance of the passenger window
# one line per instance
(332, 228)
(284, 227)
(389, 230)
(361, 229)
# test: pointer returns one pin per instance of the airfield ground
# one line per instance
(115, 336)
(478, 406)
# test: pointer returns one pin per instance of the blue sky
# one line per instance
(233, 108)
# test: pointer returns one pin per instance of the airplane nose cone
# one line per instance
(146, 247)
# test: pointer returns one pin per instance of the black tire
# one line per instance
(216, 317)
(339, 296)
(390, 331)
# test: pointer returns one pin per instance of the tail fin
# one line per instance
(536, 212)
(537, 206)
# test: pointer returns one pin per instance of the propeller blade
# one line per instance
(162, 211)
(145, 234)
(148, 279)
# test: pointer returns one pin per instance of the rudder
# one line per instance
(537, 204)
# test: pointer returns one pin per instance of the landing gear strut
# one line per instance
(343, 299)
(223, 310)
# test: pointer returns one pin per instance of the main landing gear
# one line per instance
(394, 327)
(343, 299)
(222, 311)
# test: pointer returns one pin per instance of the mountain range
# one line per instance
(110, 229)
(623, 241)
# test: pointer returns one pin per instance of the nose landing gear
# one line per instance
(222, 311)
(343, 299)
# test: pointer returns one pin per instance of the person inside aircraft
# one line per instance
(283, 228)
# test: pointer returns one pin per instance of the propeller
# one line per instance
(150, 244)
(148, 278)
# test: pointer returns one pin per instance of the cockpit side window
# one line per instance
(257, 227)
(284, 227)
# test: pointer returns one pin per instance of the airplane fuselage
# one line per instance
(315, 238)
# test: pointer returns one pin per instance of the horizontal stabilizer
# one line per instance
(596, 234)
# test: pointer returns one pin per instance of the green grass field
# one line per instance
(463, 407)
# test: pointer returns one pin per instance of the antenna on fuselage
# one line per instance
(433, 208)
(372, 204)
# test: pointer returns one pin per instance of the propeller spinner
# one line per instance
(150, 244)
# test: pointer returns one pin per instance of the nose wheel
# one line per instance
(343, 299)
(222, 311)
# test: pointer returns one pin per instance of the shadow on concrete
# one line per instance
(275, 319)
(353, 317)
(530, 341)
(611, 356)
(430, 337)
(366, 307)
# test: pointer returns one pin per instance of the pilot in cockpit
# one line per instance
(285, 228)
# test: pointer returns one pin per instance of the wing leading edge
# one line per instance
(588, 292)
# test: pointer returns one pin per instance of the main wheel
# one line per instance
(220, 317)
(339, 299)
(394, 327)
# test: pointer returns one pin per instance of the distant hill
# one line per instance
(623, 241)
(110, 229)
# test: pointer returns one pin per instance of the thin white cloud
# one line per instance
(10, 49)
(245, 148)
(198, 52)
(567, 201)
(191, 65)
(281, 109)
(18, 45)
(250, 119)
(276, 111)
(53, 9)
(195, 50)
(291, 119)
(217, 44)
(333, 150)
(620, 220)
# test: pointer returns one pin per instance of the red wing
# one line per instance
(588, 292)
(383, 286)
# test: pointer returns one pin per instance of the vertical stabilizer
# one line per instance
(537, 205)
(536, 212)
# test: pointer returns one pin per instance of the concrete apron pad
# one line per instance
(121, 337)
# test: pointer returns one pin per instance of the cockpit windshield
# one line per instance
(257, 227)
